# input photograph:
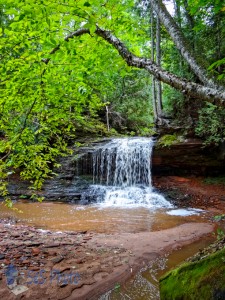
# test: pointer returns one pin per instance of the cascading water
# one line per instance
(122, 174)
(124, 162)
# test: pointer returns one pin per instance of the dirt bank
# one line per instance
(192, 192)
(79, 265)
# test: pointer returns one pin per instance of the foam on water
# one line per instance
(133, 196)
(185, 212)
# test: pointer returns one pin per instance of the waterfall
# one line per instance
(124, 162)
(122, 174)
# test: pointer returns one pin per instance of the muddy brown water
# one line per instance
(61, 216)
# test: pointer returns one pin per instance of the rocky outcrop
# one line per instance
(75, 173)
(72, 179)
(188, 158)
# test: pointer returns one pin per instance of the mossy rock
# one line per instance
(168, 140)
(202, 280)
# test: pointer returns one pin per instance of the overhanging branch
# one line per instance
(192, 89)
(182, 44)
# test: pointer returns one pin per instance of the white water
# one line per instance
(122, 175)
(185, 212)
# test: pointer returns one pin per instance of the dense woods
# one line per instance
(87, 67)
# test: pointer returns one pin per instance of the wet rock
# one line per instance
(53, 245)
(34, 268)
(51, 252)
(35, 251)
(19, 289)
(27, 251)
(7, 262)
(187, 158)
(63, 284)
(57, 260)
(33, 244)
(15, 235)
(79, 261)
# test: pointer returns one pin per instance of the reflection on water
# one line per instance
(61, 216)
(145, 285)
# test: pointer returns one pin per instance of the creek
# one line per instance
(123, 201)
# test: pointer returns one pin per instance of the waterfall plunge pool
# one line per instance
(125, 202)
(115, 220)
(98, 218)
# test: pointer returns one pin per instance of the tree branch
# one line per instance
(181, 43)
(192, 89)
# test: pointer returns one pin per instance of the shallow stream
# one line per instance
(125, 202)
(98, 218)
(112, 220)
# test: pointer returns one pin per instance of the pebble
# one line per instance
(57, 260)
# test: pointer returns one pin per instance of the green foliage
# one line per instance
(49, 97)
(215, 180)
(147, 131)
(130, 107)
(220, 234)
(211, 124)
(203, 24)
(216, 65)
(117, 287)
(219, 218)
(198, 280)
(168, 140)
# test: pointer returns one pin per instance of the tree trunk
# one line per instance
(181, 44)
(158, 62)
(219, 38)
(177, 11)
(189, 18)
(107, 117)
(213, 95)
(154, 103)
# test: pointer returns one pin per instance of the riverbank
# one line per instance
(80, 265)
(192, 191)
(85, 264)
(202, 277)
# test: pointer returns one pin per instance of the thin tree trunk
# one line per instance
(181, 44)
(177, 11)
(107, 117)
(158, 62)
(154, 104)
(190, 22)
(189, 18)
(218, 39)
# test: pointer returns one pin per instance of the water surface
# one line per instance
(97, 218)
